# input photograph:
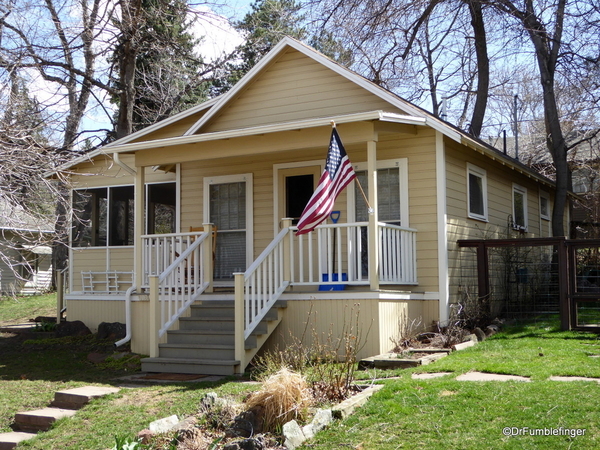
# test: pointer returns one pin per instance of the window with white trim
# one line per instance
(105, 216)
(477, 192)
(519, 208)
(392, 192)
(544, 205)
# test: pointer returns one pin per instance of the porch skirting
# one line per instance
(373, 317)
(374, 320)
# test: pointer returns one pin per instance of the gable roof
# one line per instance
(210, 110)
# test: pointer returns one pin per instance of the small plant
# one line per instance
(328, 361)
(284, 396)
(408, 331)
(126, 443)
(45, 326)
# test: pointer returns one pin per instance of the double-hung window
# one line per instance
(519, 208)
(544, 205)
(477, 192)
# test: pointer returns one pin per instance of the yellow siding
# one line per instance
(374, 322)
(500, 181)
(295, 87)
(94, 312)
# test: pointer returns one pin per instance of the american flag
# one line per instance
(337, 175)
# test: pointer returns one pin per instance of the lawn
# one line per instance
(432, 414)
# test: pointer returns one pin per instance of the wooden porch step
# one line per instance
(199, 351)
(193, 366)
(206, 337)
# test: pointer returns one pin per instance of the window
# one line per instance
(161, 208)
(477, 192)
(105, 216)
(544, 205)
(519, 208)
(392, 192)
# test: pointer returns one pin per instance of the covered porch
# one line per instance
(177, 270)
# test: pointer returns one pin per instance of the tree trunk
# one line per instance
(483, 67)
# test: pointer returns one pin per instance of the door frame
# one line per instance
(224, 179)
(279, 174)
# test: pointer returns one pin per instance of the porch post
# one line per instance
(239, 341)
(373, 239)
(208, 262)
(287, 251)
(139, 207)
(154, 315)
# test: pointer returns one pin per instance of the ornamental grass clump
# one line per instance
(284, 396)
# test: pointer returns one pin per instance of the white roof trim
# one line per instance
(272, 128)
(168, 121)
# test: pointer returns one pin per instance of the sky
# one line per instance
(218, 37)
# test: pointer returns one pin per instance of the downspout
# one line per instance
(127, 337)
(117, 160)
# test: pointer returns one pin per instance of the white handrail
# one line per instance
(264, 282)
(181, 277)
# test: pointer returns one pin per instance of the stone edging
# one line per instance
(295, 435)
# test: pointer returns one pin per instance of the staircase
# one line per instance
(66, 403)
(204, 342)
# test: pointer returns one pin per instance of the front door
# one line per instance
(228, 201)
(296, 186)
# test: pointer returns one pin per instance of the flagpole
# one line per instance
(333, 125)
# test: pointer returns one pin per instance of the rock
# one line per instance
(75, 328)
(247, 423)
(470, 337)
(164, 425)
(245, 444)
(322, 419)
(145, 436)
(480, 334)
(47, 319)
(113, 331)
(491, 330)
(294, 437)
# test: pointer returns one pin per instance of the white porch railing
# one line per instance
(176, 270)
(329, 256)
(338, 254)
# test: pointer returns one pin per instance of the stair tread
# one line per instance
(212, 346)
(208, 319)
(187, 361)
(209, 332)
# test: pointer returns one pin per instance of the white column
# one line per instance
(443, 281)
(139, 199)
(373, 217)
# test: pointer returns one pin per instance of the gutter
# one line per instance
(117, 160)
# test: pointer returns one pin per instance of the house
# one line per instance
(25, 254)
(185, 230)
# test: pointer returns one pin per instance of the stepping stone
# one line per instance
(8, 441)
(597, 380)
(40, 419)
(77, 398)
(429, 376)
(482, 376)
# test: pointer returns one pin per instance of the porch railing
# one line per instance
(338, 254)
(329, 256)
(176, 273)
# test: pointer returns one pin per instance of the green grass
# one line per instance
(406, 414)
(444, 413)
(20, 309)
(32, 370)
